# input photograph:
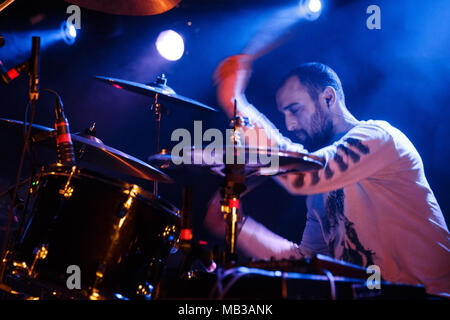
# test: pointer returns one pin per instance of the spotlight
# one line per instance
(310, 9)
(170, 45)
(68, 32)
(72, 31)
(315, 5)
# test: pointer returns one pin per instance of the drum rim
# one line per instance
(142, 194)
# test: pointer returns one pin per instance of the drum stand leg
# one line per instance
(156, 107)
(158, 110)
(232, 188)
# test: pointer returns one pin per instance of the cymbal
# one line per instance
(250, 157)
(163, 91)
(91, 152)
(128, 7)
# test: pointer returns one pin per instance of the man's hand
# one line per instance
(231, 78)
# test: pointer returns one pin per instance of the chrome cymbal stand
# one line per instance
(232, 188)
(158, 110)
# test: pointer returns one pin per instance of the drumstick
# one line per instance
(275, 32)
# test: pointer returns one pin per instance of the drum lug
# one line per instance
(132, 193)
(39, 254)
(144, 291)
(66, 191)
(95, 295)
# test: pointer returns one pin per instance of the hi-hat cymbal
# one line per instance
(128, 7)
(91, 152)
(256, 161)
(163, 91)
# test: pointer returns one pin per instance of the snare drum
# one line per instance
(116, 236)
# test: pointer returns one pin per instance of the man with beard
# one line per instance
(370, 204)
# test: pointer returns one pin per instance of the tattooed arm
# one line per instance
(363, 151)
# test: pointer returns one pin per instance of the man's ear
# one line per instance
(328, 96)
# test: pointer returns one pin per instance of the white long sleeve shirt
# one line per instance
(370, 205)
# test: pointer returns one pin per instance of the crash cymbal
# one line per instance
(163, 91)
(128, 7)
(91, 152)
(256, 161)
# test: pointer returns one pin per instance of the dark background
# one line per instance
(399, 73)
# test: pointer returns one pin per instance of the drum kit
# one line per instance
(91, 229)
(88, 214)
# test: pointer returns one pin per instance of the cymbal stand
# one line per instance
(233, 186)
(158, 110)
(156, 107)
(33, 93)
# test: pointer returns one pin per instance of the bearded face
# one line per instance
(305, 116)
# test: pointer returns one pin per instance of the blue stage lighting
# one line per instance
(310, 9)
(315, 5)
(68, 32)
(72, 31)
(170, 45)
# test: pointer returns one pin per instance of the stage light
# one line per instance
(315, 5)
(68, 32)
(170, 45)
(72, 31)
(310, 9)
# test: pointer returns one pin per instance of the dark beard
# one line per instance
(322, 128)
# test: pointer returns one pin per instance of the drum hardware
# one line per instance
(185, 243)
(289, 279)
(162, 160)
(32, 66)
(160, 92)
(127, 205)
(68, 189)
(122, 255)
(158, 110)
(96, 154)
(233, 186)
(40, 253)
(191, 248)
(165, 93)
(115, 238)
(145, 290)
(236, 173)
(132, 245)
(90, 134)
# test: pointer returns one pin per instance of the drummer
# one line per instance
(370, 204)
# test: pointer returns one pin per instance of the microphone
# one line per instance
(64, 144)
(31, 65)
(11, 74)
(34, 68)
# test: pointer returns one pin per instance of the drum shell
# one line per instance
(117, 234)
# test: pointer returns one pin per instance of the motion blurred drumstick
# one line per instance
(276, 31)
